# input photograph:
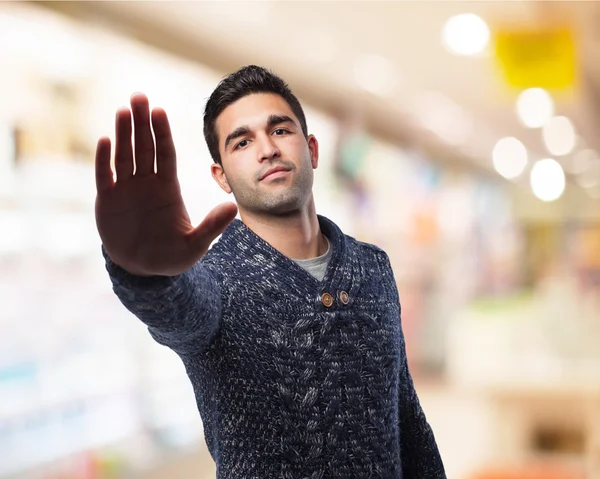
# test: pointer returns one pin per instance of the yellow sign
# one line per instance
(544, 58)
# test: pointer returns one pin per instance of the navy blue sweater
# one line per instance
(294, 378)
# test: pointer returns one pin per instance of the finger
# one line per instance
(166, 160)
(123, 148)
(144, 143)
(104, 174)
(213, 225)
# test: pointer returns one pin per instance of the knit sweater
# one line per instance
(294, 378)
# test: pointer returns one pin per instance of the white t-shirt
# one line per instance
(316, 266)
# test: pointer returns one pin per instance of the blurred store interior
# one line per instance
(461, 137)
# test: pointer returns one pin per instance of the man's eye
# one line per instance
(241, 144)
(280, 131)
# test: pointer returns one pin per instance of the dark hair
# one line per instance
(247, 80)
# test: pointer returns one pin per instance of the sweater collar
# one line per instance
(247, 249)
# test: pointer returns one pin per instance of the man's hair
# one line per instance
(246, 81)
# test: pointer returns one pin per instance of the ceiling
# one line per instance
(315, 47)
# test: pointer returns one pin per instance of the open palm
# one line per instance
(141, 217)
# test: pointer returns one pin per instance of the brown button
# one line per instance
(344, 298)
(327, 300)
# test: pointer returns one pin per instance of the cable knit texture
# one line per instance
(288, 387)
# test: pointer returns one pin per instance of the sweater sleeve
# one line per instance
(181, 312)
(420, 455)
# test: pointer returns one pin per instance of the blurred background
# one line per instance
(461, 137)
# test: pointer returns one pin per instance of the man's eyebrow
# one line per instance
(278, 119)
(239, 131)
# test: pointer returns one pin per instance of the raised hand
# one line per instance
(141, 217)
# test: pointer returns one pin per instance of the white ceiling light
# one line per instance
(535, 107)
(559, 136)
(547, 180)
(509, 157)
(376, 74)
(465, 34)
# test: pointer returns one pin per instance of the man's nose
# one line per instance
(268, 148)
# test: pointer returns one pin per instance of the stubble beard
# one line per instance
(274, 199)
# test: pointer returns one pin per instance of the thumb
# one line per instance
(212, 226)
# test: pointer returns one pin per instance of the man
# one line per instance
(289, 330)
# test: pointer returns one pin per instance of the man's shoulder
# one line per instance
(225, 262)
(215, 256)
(365, 248)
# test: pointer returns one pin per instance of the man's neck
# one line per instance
(296, 236)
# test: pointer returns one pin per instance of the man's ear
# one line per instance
(313, 146)
(218, 173)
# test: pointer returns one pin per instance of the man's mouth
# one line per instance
(275, 172)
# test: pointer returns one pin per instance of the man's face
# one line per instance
(256, 134)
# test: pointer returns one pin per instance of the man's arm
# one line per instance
(151, 249)
(181, 312)
(419, 452)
